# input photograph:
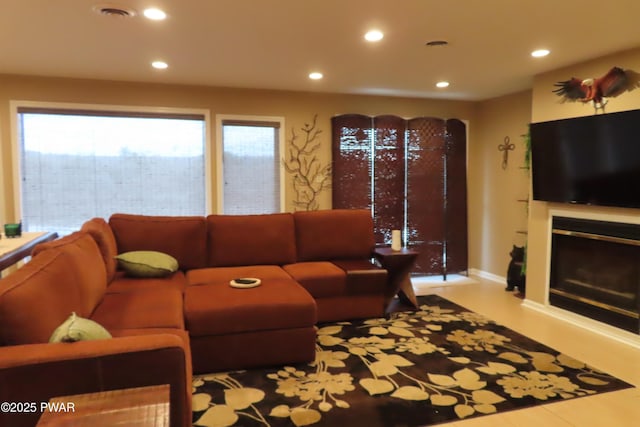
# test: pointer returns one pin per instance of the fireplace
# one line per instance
(595, 270)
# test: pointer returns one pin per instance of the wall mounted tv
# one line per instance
(592, 160)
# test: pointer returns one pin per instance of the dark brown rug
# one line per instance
(438, 364)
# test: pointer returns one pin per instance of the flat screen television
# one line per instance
(592, 160)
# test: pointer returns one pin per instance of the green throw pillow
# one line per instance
(147, 263)
(77, 328)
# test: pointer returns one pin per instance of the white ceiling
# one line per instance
(275, 44)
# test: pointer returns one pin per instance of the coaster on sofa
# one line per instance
(245, 282)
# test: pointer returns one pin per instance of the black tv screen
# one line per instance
(592, 160)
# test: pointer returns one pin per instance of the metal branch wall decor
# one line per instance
(310, 176)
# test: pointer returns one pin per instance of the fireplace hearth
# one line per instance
(595, 270)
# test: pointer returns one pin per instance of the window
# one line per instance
(79, 164)
(251, 172)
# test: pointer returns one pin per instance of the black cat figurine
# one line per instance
(515, 278)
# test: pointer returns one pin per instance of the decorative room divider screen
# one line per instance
(412, 174)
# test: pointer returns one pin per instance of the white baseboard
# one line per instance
(583, 322)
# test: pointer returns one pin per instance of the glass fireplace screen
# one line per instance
(595, 270)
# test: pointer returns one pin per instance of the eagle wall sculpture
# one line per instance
(597, 90)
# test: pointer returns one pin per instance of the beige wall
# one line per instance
(546, 107)
(495, 215)
(296, 107)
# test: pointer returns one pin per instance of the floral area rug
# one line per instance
(437, 364)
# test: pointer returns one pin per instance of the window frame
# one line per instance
(16, 105)
(219, 150)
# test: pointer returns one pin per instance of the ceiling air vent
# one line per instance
(433, 43)
(115, 11)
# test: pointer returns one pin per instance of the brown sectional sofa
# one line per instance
(314, 267)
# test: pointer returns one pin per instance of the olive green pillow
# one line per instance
(77, 328)
(147, 263)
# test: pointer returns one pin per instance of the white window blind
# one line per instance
(76, 165)
(251, 167)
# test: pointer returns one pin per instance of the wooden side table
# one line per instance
(134, 407)
(398, 265)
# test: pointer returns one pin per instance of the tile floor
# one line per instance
(615, 409)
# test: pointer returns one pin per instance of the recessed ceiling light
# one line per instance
(442, 84)
(373, 36)
(159, 65)
(155, 14)
(315, 76)
(540, 53)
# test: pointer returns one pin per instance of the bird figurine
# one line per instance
(597, 90)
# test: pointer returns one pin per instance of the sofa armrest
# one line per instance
(38, 372)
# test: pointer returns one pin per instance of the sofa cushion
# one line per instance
(147, 264)
(153, 308)
(250, 239)
(99, 229)
(87, 265)
(77, 328)
(124, 283)
(224, 275)
(181, 333)
(321, 279)
(334, 234)
(219, 309)
(37, 298)
(363, 277)
(182, 237)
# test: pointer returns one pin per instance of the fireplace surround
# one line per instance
(595, 270)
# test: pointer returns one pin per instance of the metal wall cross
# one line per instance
(505, 148)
